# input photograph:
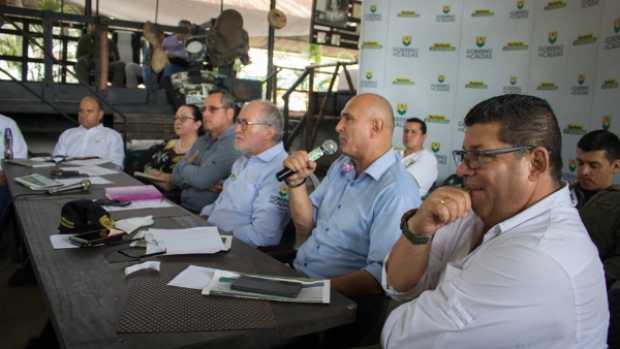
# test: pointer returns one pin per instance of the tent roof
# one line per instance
(199, 11)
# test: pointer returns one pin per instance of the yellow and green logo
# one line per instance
(575, 129)
(481, 41)
(513, 80)
(371, 44)
(401, 109)
(520, 4)
(617, 25)
(477, 84)
(435, 147)
(442, 46)
(437, 119)
(408, 14)
(283, 193)
(584, 39)
(547, 86)
(445, 9)
(407, 40)
(369, 75)
(581, 78)
(606, 122)
(483, 13)
(441, 78)
(553, 37)
(572, 165)
(373, 8)
(515, 46)
(402, 81)
(554, 5)
(609, 84)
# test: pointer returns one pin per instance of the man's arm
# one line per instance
(117, 150)
(611, 264)
(408, 262)
(357, 283)
(299, 201)
(269, 216)
(61, 148)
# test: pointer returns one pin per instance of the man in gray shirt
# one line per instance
(210, 159)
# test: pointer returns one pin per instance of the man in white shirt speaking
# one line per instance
(91, 138)
(511, 264)
(419, 162)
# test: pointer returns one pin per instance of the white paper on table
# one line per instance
(136, 205)
(93, 180)
(148, 265)
(129, 225)
(89, 162)
(198, 240)
(91, 170)
(193, 277)
(61, 241)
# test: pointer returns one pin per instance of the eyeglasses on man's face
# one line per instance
(244, 124)
(213, 109)
(475, 159)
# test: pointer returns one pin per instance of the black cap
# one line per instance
(81, 216)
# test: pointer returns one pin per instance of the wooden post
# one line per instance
(104, 62)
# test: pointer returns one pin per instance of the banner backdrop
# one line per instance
(436, 60)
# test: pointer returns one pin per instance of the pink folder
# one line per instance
(133, 193)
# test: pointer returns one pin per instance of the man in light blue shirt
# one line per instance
(354, 214)
(254, 205)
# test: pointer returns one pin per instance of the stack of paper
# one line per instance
(133, 193)
(37, 181)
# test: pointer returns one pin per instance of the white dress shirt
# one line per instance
(422, 165)
(20, 148)
(535, 281)
(99, 141)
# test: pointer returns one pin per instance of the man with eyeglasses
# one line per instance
(598, 202)
(419, 162)
(211, 157)
(254, 204)
(505, 262)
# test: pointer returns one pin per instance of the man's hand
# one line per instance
(217, 187)
(301, 165)
(444, 206)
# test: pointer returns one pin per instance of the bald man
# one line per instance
(91, 138)
(353, 216)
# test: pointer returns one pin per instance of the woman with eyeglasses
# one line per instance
(187, 127)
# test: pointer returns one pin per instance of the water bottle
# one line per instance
(8, 144)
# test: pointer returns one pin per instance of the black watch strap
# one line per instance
(414, 238)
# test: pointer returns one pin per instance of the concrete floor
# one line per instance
(23, 310)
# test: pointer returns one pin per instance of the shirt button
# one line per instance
(327, 229)
(305, 264)
(339, 206)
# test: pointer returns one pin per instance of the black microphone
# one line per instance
(83, 185)
(328, 147)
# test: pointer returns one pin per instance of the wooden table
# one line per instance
(87, 294)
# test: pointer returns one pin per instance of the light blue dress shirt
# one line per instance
(357, 220)
(254, 204)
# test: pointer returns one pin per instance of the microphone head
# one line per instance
(86, 184)
(329, 147)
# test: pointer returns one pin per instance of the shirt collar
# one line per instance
(557, 199)
(379, 166)
(92, 128)
(270, 153)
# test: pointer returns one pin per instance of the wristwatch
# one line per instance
(415, 239)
